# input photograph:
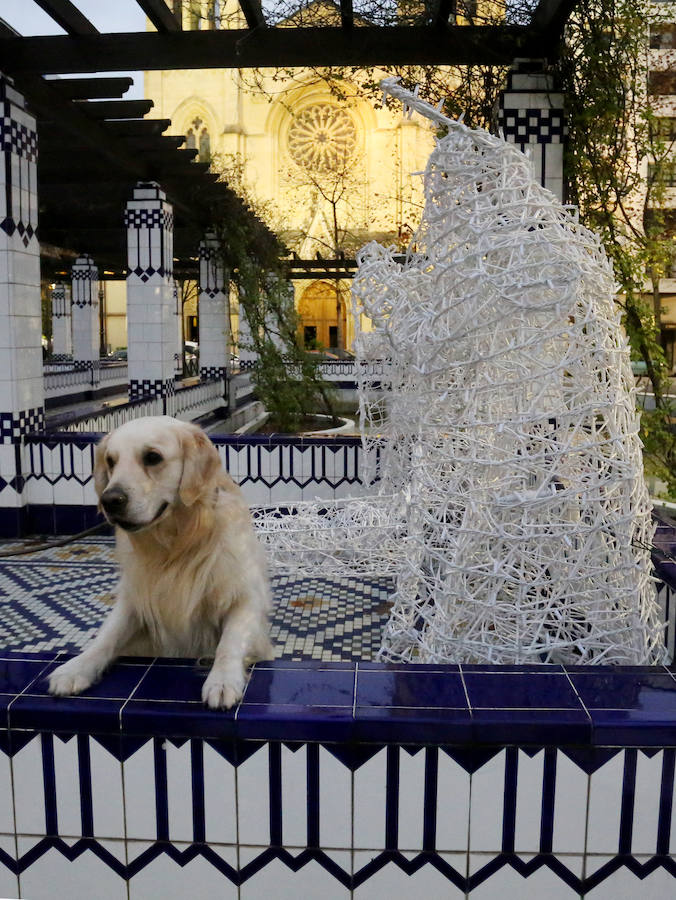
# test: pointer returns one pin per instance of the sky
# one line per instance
(119, 15)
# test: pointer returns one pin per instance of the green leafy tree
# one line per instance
(616, 162)
(287, 378)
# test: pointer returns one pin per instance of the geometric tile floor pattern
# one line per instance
(56, 599)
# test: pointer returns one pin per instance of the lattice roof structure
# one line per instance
(94, 145)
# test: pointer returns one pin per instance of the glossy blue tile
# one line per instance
(411, 726)
(76, 715)
(519, 691)
(290, 722)
(300, 687)
(175, 719)
(528, 669)
(117, 683)
(174, 683)
(306, 664)
(17, 674)
(640, 689)
(411, 688)
(617, 670)
(638, 727)
(407, 667)
(531, 726)
(140, 660)
(46, 655)
(666, 570)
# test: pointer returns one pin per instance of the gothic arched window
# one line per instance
(197, 138)
(205, 146)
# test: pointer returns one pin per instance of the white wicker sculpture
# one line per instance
(510, 507)
(510, 424)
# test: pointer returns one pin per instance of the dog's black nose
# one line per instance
(114, 500)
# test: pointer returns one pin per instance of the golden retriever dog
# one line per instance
(193, 576)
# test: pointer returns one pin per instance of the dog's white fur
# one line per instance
(193, 577)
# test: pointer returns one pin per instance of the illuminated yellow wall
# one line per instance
(302, 143)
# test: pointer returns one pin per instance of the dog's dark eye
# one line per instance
(152, 458)
(110, 462)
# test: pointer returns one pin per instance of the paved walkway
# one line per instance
(57, 598)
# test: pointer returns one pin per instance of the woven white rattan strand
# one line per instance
(510, 506)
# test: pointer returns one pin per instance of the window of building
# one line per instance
(666, 128)
(665, 172)
(662, 82)
(662, 37)
(323, 137)
(197, 138)
(310, 337)
(205, 146)
(213, 14)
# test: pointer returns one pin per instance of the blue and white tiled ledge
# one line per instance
(339, 780)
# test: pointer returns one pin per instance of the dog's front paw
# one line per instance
(71, 678)
(223, 690)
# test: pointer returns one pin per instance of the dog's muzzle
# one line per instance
(114, 502)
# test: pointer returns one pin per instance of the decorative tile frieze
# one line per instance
(14, 426)
(149, 218)
(210, 373)
(527, 126)
(146, 388)
(18, 182)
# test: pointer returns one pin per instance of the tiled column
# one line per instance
(151, 317)
(178, 312)
(21, 385)
(531, 115)
(85, 313)
(214, 315)
(62, 338)
(247, 356)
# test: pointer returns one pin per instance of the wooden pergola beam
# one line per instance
(92, 88)
(67, 16)
(444, 10)
(115, 109)
(550, 16)
(243, 48)
(253, 13)
(162, 17)
(346, 14)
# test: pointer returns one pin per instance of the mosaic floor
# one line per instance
(56, 599)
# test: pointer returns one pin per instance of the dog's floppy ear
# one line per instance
(100, 467)
(201, 462)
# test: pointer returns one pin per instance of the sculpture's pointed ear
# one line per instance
(100, 468)
(201, 465)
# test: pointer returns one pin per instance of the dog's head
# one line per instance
(147, 467)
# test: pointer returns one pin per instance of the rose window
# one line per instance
(322, 137)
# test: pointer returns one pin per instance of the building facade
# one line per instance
(331, 172)
(662, 90)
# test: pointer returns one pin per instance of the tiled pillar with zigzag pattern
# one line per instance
(85, 316)
(62, 337)
(151, 319)
(214, 319)
(21, 385)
